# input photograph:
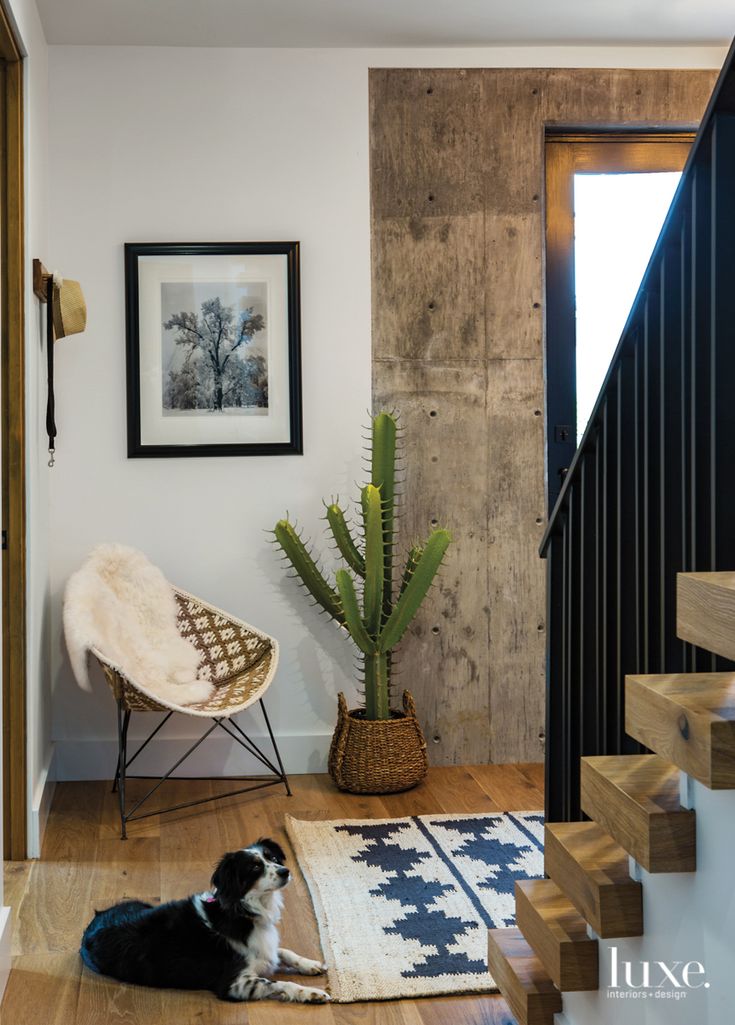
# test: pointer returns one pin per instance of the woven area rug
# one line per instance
(404, 905)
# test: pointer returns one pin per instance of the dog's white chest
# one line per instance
(261, 949)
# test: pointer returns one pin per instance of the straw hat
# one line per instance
(69, 307)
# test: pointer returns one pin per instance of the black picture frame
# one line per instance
(137, 447)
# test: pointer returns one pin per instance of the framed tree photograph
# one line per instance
(213, 349)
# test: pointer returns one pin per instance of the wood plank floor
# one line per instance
(84, 866)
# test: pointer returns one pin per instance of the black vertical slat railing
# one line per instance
(651, 489)
(628, 554)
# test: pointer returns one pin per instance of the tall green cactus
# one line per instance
(377, 626)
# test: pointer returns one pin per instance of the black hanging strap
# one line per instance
(50, 404)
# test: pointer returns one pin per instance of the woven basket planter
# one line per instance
(377, 756)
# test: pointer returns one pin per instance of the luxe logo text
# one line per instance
(654, 978)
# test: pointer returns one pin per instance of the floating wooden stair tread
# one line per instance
(593, 871)
(705, 611)
(557, 933)
(635, 798)
(532, 996)
(689, 719)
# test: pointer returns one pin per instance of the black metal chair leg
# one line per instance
(258, 782)
(117, 769)
(123, 721)
(275, 748)
(119, 746)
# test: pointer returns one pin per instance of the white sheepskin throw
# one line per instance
(122, 605)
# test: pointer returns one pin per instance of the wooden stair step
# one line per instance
(556, 932)
(593, 871)
(689, 719)
(635, 798)
(705, 611)
(532, 996)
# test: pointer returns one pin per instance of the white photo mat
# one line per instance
(212, 427)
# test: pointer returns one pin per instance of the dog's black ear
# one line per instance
(234, 875)
(272, 850)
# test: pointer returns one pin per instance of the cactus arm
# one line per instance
(383, 476)
(343, 538)
(364, 508)
(383, 462)
(374, 558)
(297, 554)
(411, 563)
(416, 589)
(353, 622)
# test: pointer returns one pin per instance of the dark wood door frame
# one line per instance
(12, 373)
(567, 153)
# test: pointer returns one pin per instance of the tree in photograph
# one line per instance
(182, 388)
(217, 334)
(246, 382)
(256, 383)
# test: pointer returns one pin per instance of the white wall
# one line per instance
(208, 145)
(165, 144)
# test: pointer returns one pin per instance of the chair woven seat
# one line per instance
(238, 659)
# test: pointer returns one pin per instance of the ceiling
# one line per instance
(387, 23)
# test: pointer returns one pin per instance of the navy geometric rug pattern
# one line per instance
(404, 905)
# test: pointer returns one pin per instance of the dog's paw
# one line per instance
(310, 995)
(295, 993)
(309, 967)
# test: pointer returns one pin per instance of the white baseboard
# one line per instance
(41, 806)
(218, 755)
(6, 937)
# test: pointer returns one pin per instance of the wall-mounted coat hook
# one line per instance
(40, 281)
(66, 315)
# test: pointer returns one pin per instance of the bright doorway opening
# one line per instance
(617, 219)
(607, 194)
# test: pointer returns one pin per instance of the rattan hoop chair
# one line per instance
(241, 662)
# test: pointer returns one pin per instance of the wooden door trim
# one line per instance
(12, 374)
(568, 152)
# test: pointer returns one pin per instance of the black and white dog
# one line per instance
(224, 940)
